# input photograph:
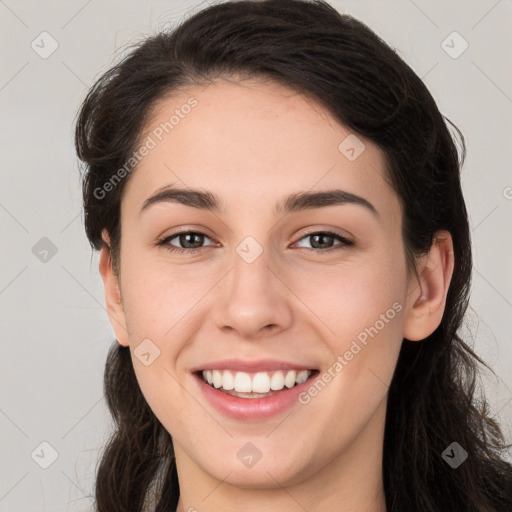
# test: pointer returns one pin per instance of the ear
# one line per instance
(426, 299)
(113, 299)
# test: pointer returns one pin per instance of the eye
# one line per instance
(187, 239)
(196, 238)
(320, 239)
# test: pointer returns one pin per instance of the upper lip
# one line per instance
(253, 365)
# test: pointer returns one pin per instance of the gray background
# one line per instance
(54, 329)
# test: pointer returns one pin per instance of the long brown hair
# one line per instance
(347, 68)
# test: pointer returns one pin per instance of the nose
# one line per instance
(253, 300)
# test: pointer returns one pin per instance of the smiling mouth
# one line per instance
(255, 385)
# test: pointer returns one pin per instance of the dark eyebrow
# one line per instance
(296, 202)
(308, 200)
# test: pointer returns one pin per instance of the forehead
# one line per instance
(251, 143)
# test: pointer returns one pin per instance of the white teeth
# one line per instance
(217, 378)
(302, 376)
(243, 382)
(261, 382)
(289, 380)
(277, 381)
(228, 381)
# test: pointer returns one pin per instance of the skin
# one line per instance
(253, 143)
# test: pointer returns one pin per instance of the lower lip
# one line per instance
(252, 408)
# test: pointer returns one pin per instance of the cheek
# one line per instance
(164, 395)
(361, 307)
(157, 297)
(352, 296)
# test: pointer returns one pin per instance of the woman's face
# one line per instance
(267, 291)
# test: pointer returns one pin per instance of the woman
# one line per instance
(286, 258)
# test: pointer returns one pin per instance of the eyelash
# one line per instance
(164, 242)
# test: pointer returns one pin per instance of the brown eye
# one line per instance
(190, 241)
(321, 241)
